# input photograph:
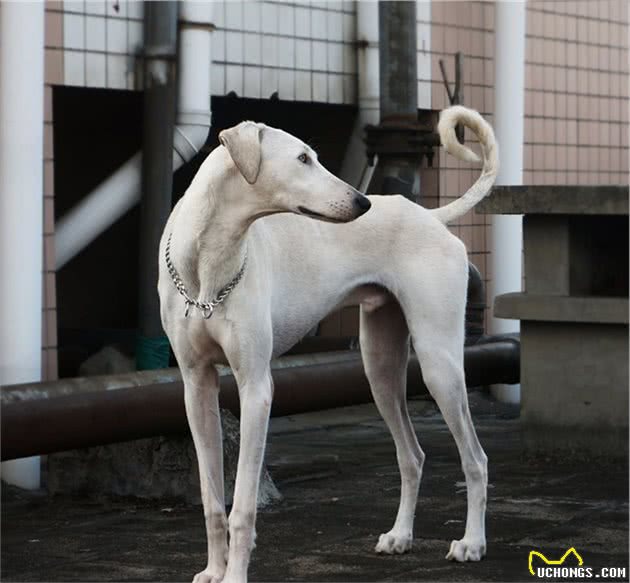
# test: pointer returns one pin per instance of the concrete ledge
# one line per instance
(556, 200)
(561, 444)
(548, 308)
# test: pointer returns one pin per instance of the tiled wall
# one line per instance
(53, 75)
(303, 50)
(576, 103)
(467, 27)
(576, 97)
(100, 41)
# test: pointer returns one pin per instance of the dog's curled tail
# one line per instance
(449, 118)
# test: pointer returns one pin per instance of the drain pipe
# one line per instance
(160, 51)
(21, 207)
(121, 191)
(507, 231)
(355, 169)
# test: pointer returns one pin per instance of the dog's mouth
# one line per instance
(309, 213)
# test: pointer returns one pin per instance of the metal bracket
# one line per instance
(455, 97)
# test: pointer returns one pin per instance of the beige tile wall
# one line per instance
(576, 96)
(54, 73)
(576, 100)
(466, 27)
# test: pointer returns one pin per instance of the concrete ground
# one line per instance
(337, 472)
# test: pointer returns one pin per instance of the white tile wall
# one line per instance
(320, 87)
(286, 52)
(95, 33)
(234, 47)
(286, 20)
(286, 84)
(252, 17)
(302, 50)
(318, 24)
(270, 82)
(252, 48)
(335, 57)
(218, 79)
(97, 7)
(116, 36)
(269, 51)
(95, 70)
(104, 36)
(320, 56)
(234, 79)
(74, 32)
(135, 35)
(234, 15)
(118, 9)
(252, 82)
(117, 71)
(335, 88)
(303, 86)
(74, 68)
(302, 54)
(302, 22)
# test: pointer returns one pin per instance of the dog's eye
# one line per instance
(304, 158)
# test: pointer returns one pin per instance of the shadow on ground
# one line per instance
(337, 472)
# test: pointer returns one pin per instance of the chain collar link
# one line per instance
(206, 308)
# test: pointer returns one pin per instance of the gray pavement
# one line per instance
(337, 473)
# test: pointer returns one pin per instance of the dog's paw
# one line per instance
(394, 543)
(208, 576)
(463, 550)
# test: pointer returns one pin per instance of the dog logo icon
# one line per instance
(560, 561)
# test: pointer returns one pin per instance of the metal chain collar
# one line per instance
(206, 308)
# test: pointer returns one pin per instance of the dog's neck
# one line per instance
(210, 236)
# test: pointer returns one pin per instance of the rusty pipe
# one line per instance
(87, 419)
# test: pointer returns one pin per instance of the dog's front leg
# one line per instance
(201, 396)
(255, 390)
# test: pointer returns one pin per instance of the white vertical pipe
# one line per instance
(509, 116)
(355, 161)
(21, 206)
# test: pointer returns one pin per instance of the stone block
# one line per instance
(156, 467)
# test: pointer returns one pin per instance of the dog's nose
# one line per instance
(363, 202)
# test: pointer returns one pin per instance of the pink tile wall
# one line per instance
(576, 101)
(53, 76)
(467, 27)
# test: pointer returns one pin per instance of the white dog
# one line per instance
(245, 272)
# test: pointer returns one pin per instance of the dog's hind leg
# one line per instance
(439, 347)
(384, 341)
(201, 397)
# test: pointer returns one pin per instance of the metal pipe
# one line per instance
(355, 169)
(93, 418)
(396, 140)
(21, 206)
(398, 57)
(160, 52)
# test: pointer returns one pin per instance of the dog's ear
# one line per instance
(243, 144)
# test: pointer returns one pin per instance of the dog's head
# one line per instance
(287, 177)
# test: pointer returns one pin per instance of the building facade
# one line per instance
(576, 89)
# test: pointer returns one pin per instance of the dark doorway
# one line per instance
(95, 132)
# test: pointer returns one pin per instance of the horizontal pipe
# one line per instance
(85, 419)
